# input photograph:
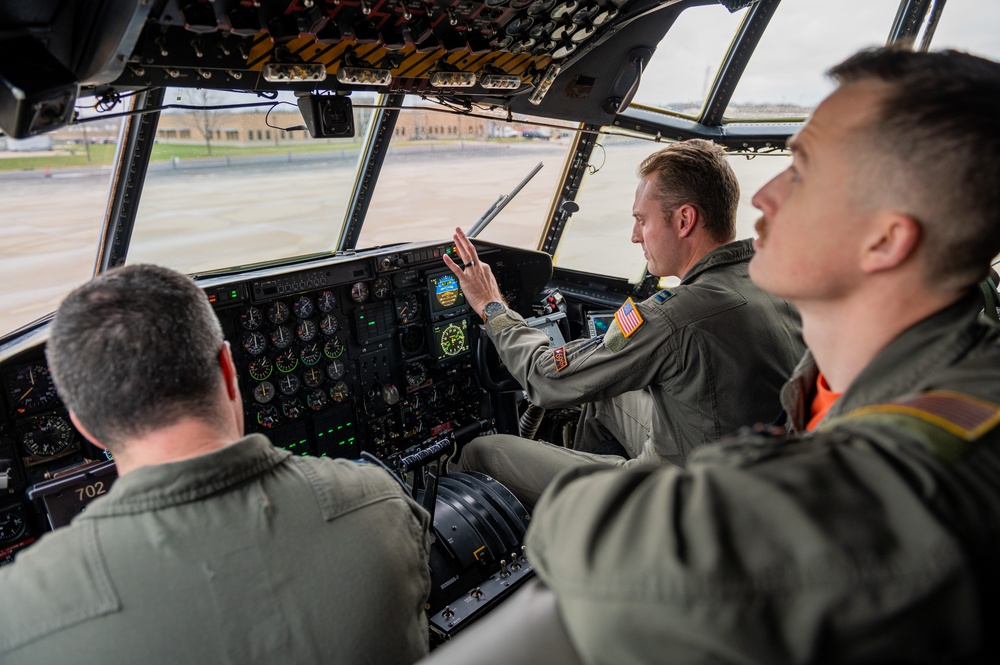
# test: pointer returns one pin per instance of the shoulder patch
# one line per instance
(559, 358)
(962, 415)
(663, 296)
(628, 318)
(947, 423)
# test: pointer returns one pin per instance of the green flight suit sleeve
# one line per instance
(587, 369)
(815, 550)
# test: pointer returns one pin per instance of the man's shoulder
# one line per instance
(344, 485)
(49, 590)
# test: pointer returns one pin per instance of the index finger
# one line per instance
(453, 266)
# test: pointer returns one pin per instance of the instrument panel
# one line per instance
(366, 352)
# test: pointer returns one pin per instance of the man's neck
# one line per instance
(703, 247)
(845, 336)
(186, 439)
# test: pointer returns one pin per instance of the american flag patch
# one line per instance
(628, 318)
(559, 358)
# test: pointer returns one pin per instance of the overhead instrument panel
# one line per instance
(480, 47)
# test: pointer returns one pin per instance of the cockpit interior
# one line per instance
(307, 161)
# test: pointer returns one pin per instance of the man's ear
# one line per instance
(892, 240)
(687, 220)
(229, 370)
(85, 432)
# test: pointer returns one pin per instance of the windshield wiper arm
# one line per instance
(504, 199)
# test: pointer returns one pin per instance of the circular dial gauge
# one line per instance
(32, 388)
(303, 307)
(12, 526)
(254, 343)
(327, 302)
(312, 377)
(359, 292)
(416, 374)
(260, 368)
(317, 399)
(278, 312)
(339, 392)
(452, 340)
(293, 408)
(267, 415)
(289, 384)
(328, 324)
(264, 392)
(47, 436)
(286, 361)
(408, 309)
(333, 348)
(381, 288)
(335, 369)
(310, 354)
(307, 330)
(251, 318)
(412, 340)
(281, 337)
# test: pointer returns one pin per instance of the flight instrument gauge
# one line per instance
(281, 337)
(359, 292)
(416, 374)
(333, 348)
(317, 399)
(267, 416)
(251, 318)
(380, 288)
(335, 370)
(278, 312)
(328, 324)
(12, 525)
(254, 343)
(303, 307)
(453, 340)
(286, 361)
(264, 392)
(310, 354)
(312, 377)
(260, 368)
(32, 388)
(339, 392)
(47, 436)
(412, 340)
(327, 302)
(293, 408)
(307, 330)
(289, 384)
(408, 309)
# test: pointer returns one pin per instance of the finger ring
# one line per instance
(467, 265)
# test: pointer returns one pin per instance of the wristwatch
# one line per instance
(493, 308)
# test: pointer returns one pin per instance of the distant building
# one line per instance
(30, 144)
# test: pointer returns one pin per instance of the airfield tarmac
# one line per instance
(51, 223)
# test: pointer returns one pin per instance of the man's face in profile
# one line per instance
(811, 226)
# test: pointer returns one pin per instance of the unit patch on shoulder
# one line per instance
(947, 422)
(963, 415)
(628, 318)
(559, 358)
(663, 296)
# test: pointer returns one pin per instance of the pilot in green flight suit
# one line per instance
(871, 532)
(711, 353)
(211, 547)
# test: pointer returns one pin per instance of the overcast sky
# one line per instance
(804, 38)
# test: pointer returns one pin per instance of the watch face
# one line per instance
(493, 308)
